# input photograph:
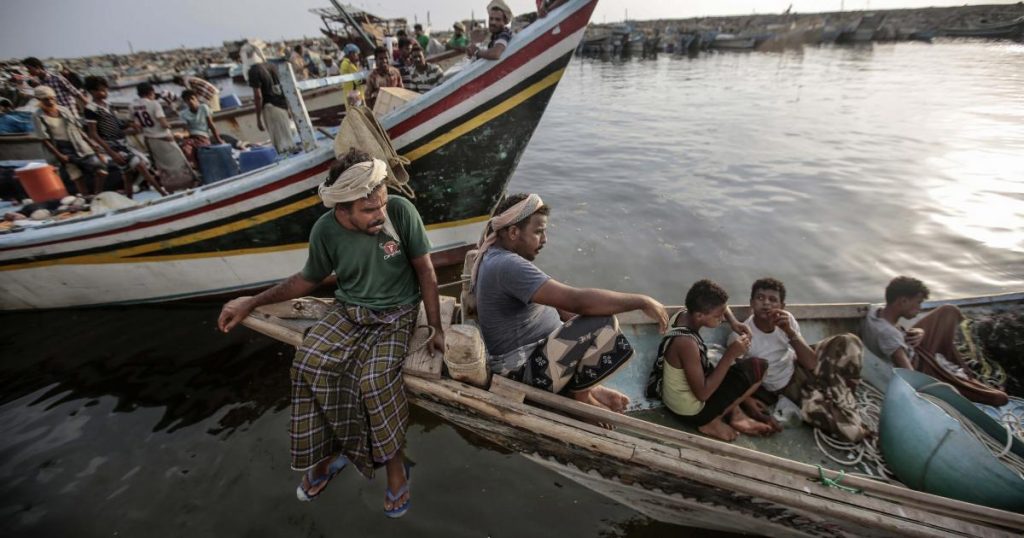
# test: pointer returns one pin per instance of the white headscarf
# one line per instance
(358, 181)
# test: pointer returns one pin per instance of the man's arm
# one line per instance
(900, 359)
(431, 299)
(213, 128)
(804, 354)
(598, 302)
(236, 310)
(737, 326)
(492, 53)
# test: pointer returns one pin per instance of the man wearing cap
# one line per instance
(539, 331)
(499, 16)
(458, 41)
(348, 398)
(64, 136)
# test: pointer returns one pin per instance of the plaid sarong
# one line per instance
(347, 389)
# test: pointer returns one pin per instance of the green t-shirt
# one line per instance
(373, 271)
(424, 41)
(460, 42)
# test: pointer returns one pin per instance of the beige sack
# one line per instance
(361, 130)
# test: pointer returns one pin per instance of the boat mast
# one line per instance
(296, 105)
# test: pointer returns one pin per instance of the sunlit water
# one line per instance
(833, 169)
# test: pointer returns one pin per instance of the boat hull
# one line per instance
(463, 139)
(930, 450)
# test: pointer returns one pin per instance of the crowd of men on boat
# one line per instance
(78, 127)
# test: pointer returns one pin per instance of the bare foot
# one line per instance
(719, 430)
(610, 398)
(587, 397)
(744, 424)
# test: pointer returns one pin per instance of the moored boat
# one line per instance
(777, 486)
(463, 140)
(732, 42)
(1010, 30)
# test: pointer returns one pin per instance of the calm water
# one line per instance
(833, 169)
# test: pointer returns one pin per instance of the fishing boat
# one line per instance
(463, 139)
(932, 437)
(218, 70)
(864, 31)
(732, 42)
(1010, 30)
(775, 486)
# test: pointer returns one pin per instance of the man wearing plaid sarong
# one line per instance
(348, 399)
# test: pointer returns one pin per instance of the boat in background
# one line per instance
(1010, 30)
(864, 31)
(732, 42)
(774, 486)
(463, 139)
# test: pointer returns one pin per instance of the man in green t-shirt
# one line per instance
(458, 41)
(348, 398)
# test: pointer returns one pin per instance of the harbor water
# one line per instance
(833, 169)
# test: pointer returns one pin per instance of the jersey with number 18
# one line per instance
(145, 112)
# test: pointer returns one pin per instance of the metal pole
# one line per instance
(296, 105)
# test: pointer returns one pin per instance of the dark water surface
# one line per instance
(833, 169)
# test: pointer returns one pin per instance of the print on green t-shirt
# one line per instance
(373, 270)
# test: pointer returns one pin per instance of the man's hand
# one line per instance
(63, 158)
(235, 311)
(472, 50)
(119, 159)
(259, 124)
(737, 348)
(436, 343)
(915, 336)
(783, 320)
(739, 328)
(656, 311)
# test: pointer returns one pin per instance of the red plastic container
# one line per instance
(41, 182)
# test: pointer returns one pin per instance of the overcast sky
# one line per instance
(70, 28)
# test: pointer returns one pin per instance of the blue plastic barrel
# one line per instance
(256, 157)
(229, 101)
(216, 163)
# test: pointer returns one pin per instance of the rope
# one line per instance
(865, 453)
(835, 482)
(419, 346)
(991, 373)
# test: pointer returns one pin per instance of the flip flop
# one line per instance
(399, 511)
(333, 469)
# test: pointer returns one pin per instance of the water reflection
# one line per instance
(165, 357)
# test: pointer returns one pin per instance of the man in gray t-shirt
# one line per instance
(521, 312)
(508, 317)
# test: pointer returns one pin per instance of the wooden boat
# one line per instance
(1010, 30)
(732, 42)
(464, 139)
(772, 486)
(865, 30)
(926, 433)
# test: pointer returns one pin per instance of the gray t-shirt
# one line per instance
(883, 338)
(508, 318)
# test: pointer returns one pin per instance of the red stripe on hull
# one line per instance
(574, 22)
(204, 209)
